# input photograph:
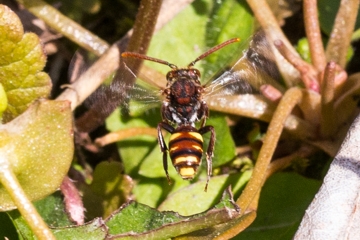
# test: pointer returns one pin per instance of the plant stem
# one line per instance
(313, 34)
(114, 95)
(327, 101)
(273, 32)
(309, 75)
(287, 103)
(25, 207)
(64, 25)
(244, 221)
(340, 36)
(124, 134)
(284, 162)
(249, 197)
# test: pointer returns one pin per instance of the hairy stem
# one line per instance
(249, 197)
(340, 37)
(327, 101)
(312, 28)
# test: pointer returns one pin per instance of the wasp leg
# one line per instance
(210, 150)
(163, 147)
(203, 114)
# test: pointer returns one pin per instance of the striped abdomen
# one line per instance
(186, 150)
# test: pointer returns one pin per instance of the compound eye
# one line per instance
(196, 74)
(170, 76)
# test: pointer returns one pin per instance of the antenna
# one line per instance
(214, 49)
(173, 66)
(144, 57)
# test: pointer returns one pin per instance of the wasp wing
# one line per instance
(142, 98)
(254, 68)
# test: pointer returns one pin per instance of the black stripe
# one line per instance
(186, 165)
(180, 139)
(186, 152)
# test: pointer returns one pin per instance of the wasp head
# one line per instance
(190, 74)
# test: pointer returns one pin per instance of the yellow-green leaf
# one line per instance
(38, 147)
(21, 62)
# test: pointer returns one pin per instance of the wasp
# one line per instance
(183, 106)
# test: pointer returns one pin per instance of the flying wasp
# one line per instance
(184, 105)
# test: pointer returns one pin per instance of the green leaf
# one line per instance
(94, 230)
(134, 150)
(146, 219)
(108, 191)
(192, 199)
(51, 210)
(7, 229)
(327, 13)
(224, 24)
(203, 25)
(91, 230)
(21, 62)
(182, 39)
(149, 223)
(224, 144)
(152, 191)
(284, 199)
(38, 148)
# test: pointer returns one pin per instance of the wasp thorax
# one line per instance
(183, 91)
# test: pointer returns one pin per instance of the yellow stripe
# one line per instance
(187, 173)
(197, 147)
(196, 135)
(173, 148)
(191, 159)
(175, 136)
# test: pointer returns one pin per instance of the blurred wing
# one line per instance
(140, 99)
(255, 68)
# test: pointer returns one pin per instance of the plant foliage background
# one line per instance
(123, 185)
